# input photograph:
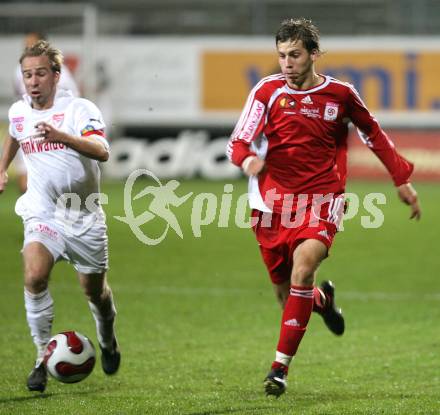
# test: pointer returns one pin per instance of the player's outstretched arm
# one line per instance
(10, 149)
(89, 146)
(408, 195)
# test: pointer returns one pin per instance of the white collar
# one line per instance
(309, 91)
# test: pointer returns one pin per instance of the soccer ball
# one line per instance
(70, 357)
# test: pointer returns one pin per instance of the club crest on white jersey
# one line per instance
(57, 120)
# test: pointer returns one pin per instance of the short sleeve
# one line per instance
(88, 119)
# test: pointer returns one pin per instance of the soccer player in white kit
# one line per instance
(62, 139)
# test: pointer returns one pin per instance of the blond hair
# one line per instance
(43, 48)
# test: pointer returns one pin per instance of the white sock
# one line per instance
(39, 315)
(282, 358)
(104, 323)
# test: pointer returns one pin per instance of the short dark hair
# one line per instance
(299, 29)
(43, 48)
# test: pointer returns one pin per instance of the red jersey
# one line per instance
(302, 135)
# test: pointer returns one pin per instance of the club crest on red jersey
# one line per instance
(331, 111)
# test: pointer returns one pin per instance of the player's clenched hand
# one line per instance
(252, 166)
(3, 180)
(408, 195)
(49, 133)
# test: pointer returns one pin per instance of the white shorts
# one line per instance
(87, 252)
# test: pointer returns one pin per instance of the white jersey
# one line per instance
(66, 81)
(53, 168)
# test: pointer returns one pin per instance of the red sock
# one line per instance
(278, 365)
(319, 300)
(296, 315)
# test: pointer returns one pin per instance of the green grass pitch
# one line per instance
(198, 322)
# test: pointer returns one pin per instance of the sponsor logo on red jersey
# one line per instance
(310, 112)
(307, 100)
(287, 103)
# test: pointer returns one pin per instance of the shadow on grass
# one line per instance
(26, 398)
(253, 410)
(35, 396)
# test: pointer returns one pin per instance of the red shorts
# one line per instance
(278, 235)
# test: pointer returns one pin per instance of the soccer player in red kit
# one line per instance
(291, 140)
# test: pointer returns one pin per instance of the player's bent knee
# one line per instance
(35, 280)
(303, 275)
